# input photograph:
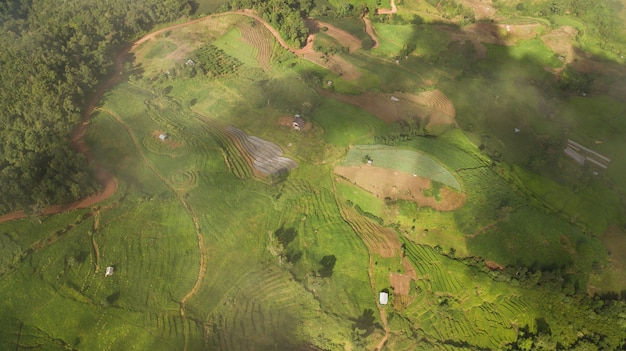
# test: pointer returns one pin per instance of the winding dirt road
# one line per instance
(110, 183)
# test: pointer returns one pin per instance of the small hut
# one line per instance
(298, 122)
(109, 271)
(383, 298)
(162, 136)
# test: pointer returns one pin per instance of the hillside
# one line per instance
(269, 175)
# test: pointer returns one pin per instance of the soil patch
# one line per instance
(486, 32)
(335, 64)
(387, 183)
(431, 107)
(482, 8)
(344, 38)
(401, 284)
(287, 121)
(494, 266)
(369, 29)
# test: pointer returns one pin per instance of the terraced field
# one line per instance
(261, 312)
(261, 39)
(380, 240)
(434, 99)
(266, 156)
(454, 305)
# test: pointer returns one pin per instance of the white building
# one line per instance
(109, 271)
(383, 298)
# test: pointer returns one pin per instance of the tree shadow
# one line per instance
(366, 322)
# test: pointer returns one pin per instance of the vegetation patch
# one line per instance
(212, 61)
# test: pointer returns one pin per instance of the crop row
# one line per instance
(427, 264)
(260, 39)
(408, 161)
(314, 201)
(213, 61)
(266, 155)
(238, 163)
(436, 100)
(378, 239)
(256, 312)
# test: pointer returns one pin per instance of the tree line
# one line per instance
(51, 60)
(287, 16)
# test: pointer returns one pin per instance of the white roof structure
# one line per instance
(162, 136)
(383, 298)
(109, 271)
(395, 99)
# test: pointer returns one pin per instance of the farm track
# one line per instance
(370, 271)
(201, 246)
(78, 136)
(96, 251)
(369, 28)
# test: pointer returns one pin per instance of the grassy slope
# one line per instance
(255, 294)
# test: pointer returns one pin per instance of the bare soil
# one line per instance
(384, 183)
(344, 38)
(494, 266)
(369, 29)
(411, 106)
(401, 283)
(483, 9)
(487, 32)
(560, 41)
(287, 121)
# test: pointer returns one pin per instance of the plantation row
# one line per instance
(213, 61)
(462, 309)
(436, 100)
(260, 38)
(258, 313)
(167, 115)
(266, 155)
(377, 238)
(408, 161)
(315, 202)
(238, 163)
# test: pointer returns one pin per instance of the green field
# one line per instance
(210, 254)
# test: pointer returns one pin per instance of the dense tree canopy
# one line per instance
(52, 57)
(286, 15)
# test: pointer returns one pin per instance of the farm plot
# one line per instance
(260, 312)
(434, 99)
(380, 240)
(458, 303)
(408, 161)
(261, 39)
(387, 183)
(316, 202)
(266, 156)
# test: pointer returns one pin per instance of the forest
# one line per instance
(52, 59)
